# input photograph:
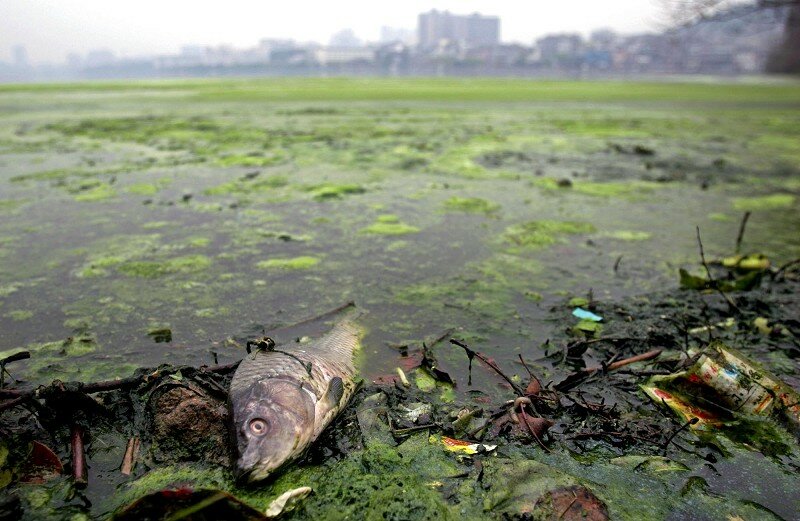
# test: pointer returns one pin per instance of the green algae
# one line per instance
(443, 287)
(720, 217)
(101, 192)
(540, 234)
(765, 202)
(156, 225)
(51, 358)
(198, 242)
(328, 191)
(11, 205)
(155, 269)
(487, 289)
(628, 235)
(633, 189)
(303, 262)
(20, 314)
(254, 160)
(615, 189)
(249, 185)
(389, 225)
(470, 205)
(377, 482)
(143, 189)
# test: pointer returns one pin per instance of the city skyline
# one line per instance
(50, 31)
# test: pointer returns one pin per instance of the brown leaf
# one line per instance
(572, 503)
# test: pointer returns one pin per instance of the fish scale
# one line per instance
(331, 355)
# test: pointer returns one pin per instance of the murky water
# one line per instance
(127, 213)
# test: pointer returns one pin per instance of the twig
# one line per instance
(573, 379)
(574, 499)
(626, 361)
(616, 263)
(742, 226)
(785, 267)
(13, 403)
(92, 387)
(530, 430)
(22, 355)
(712, 282)
(595, 434)
(490, 363)
(442, 336)
(78, 457)
(416, 428)
(678, 430)
(534, 386)
(129, 460)
(325, 314)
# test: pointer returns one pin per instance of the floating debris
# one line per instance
(287, 501)
(721, 384)
(460, 446)
(586, 315)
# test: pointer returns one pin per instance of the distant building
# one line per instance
(345, 38)
(99, 58)
(473, 30)
(331, 55)
(560, 50)
(19, 56)
(397, 34)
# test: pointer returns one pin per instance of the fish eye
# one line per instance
(258, 427)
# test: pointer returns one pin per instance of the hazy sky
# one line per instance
(50, 29)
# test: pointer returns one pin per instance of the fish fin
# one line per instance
(335, 391)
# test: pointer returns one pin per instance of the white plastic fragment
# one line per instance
(286, 501)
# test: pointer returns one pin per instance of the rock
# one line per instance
(190, 425)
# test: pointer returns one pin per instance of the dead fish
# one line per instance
(282, 397)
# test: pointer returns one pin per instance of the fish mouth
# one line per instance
(247, 476)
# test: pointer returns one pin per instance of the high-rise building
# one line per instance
(473, 30)
(20, 56)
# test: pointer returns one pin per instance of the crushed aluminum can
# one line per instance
(721, 384)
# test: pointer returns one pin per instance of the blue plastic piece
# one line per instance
(586, 315)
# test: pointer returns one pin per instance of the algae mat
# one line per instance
(211, 210)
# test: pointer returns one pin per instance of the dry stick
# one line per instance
(622, 363)
(92, 387)
(13, 403)
(616, 434)
(610, 339)
(129, 460)
(78, 457)
(22, 355)
(678, 430)
(785, 267)
(16, 357)
(441, 337)
(326, 314)
(742, 226)
(119, 383)
(492, 365)
(574, 499)
(713, 283)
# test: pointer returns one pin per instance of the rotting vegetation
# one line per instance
(135, 231)
(573, 424)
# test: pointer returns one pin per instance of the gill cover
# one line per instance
(272, 418)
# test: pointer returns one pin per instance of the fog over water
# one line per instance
(50, 30)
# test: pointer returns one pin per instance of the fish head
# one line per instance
(273, 422)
